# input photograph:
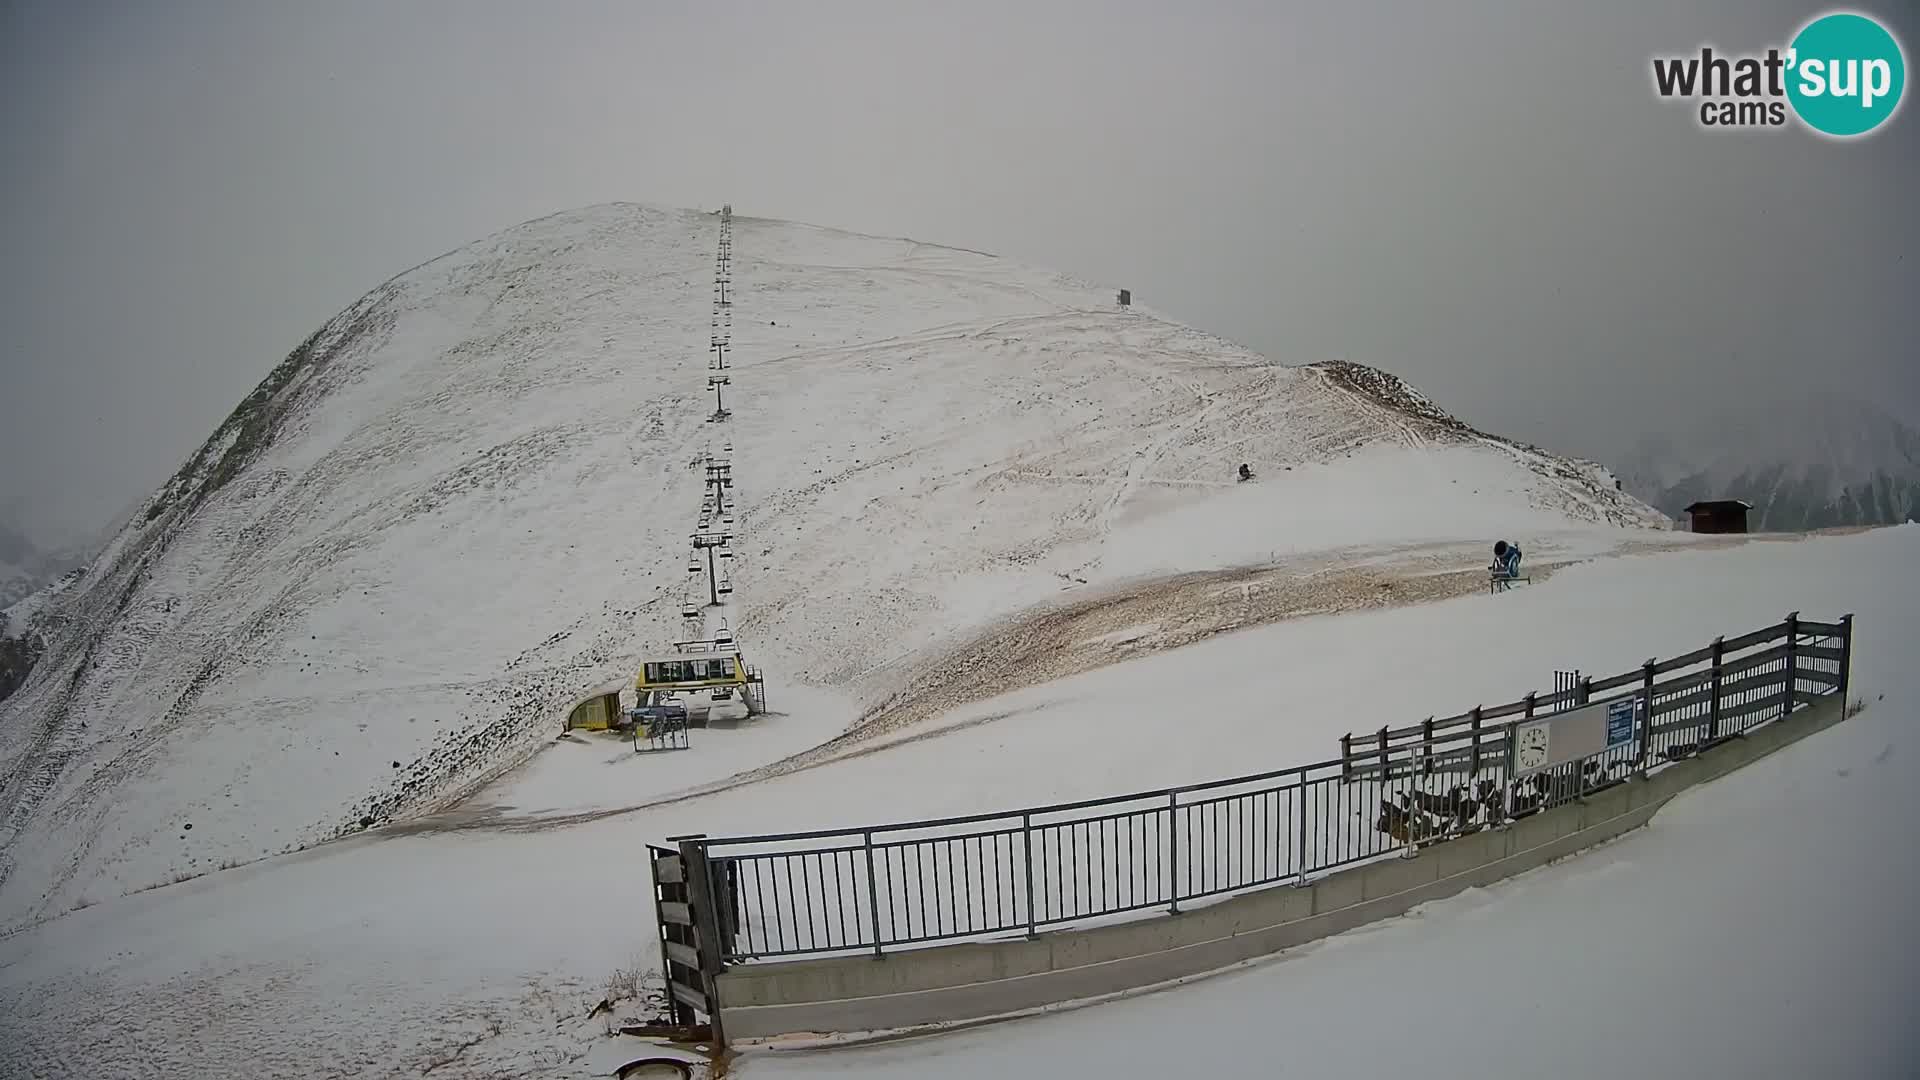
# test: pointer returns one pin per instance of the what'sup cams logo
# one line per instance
(1842, 75)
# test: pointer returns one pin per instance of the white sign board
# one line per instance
(1574, 735)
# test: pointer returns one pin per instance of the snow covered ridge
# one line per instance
(1390, 390)
(1592, 492)
(461, 504)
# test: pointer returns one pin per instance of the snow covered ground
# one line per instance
(1759, 927)
(465, 502)
(1755, 929)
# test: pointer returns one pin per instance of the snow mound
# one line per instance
(464, 501)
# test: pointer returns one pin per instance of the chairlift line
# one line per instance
(719, 674)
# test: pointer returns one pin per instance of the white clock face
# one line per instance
(1530, 747)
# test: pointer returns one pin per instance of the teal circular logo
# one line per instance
(1845, 74)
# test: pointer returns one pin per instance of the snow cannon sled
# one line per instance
(1505, 571)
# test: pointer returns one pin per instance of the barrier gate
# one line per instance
(695, 926)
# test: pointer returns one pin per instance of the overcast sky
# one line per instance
(1484, 198)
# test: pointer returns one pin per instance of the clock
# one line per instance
(1530, 747)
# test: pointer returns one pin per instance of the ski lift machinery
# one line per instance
(709, 665)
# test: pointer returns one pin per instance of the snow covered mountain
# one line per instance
(29, 576)
(1812, 463)
(19, 574)
(26, 567)
(464, 500)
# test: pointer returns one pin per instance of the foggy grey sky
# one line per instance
(1484, 198)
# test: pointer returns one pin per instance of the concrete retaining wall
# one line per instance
(975, 980)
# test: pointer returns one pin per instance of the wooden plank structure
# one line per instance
(1718, 516)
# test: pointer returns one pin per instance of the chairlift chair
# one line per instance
(689, 611)
(725, 588)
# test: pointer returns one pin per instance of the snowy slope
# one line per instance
(464, 501)
(383, 955)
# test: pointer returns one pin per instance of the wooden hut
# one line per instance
(1718, 516)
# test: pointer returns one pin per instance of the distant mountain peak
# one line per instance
(1814, 462)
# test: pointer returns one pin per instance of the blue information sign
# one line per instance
(1620, 721)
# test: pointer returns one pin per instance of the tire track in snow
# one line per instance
(1150, 455)
(1041, 645)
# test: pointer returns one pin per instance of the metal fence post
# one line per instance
(1793, 676)
(1173, 854)
(1646, 717)
(1026, 836)
(1346, 757)
(1713, 703)
(1513, 763)
(1426, 747)
(1846, 656)
(1386, 767)
(1473, 764)
(873, 892)
(1300, 822)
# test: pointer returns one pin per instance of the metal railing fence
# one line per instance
(912, 883)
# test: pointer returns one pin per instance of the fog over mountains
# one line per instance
(1816, 462)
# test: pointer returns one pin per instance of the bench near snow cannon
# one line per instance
(1499, 580)
(1506, 567)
